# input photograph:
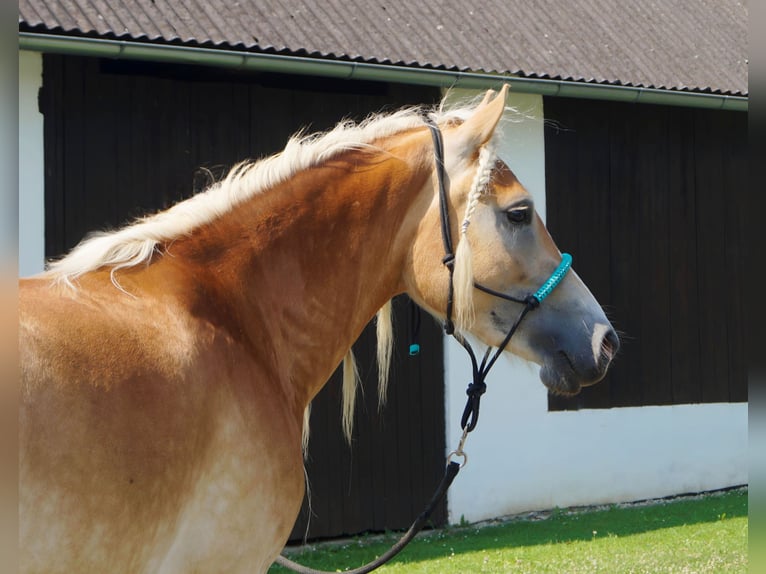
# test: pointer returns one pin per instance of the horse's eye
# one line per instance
(519, 215)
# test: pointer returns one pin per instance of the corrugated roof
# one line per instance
(698, 45)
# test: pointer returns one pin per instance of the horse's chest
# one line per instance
(238, 514)
(244, 499)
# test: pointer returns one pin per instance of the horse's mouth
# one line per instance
(562, 377)
(567, 363)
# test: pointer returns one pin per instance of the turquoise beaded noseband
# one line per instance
(554, 279)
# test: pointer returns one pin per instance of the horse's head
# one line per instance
(502, 245)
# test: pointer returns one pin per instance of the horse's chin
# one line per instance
(560, 380)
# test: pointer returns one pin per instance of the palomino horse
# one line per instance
(167, 366)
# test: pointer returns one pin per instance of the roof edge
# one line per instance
(257, 61)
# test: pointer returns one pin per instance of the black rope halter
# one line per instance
(478, 385)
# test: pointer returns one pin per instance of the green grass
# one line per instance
(688, 535)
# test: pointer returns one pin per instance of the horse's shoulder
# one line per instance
(97, 332)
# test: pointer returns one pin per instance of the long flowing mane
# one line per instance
(135, 243)
(138, 242)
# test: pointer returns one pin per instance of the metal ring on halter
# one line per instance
(459, 450)
(456, 453)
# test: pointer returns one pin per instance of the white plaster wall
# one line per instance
(522, 457)
(31, 166)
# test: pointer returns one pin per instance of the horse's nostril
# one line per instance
(611, 344)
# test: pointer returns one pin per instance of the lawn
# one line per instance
(685, 535)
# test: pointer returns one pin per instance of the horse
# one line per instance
(167, 366)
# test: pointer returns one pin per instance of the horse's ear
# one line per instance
(486, 98)
(478, 129)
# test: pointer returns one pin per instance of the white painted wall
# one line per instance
(522, 457)
(31, 166)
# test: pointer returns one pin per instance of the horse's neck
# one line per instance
(299, 270)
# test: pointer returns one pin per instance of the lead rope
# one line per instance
(476, 388)
(449, 475)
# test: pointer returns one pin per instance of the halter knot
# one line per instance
(476, 389)
(532, 302)
(471, 411)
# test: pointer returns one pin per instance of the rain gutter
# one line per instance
(259, 62)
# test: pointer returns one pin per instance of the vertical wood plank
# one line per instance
(54, 153)
(712, 283)
(684, 309)
(736, 177)
(73, 164)
(651, 186)
(627, 288)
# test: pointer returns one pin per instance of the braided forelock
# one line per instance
(463, 274)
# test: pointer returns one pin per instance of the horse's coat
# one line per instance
(160, 424)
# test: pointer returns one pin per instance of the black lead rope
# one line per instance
(449, 475)
(478, 385)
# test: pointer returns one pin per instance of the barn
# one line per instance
(628, 125)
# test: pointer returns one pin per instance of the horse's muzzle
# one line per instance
(574, 366)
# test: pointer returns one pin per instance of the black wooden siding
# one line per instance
(649, 201)
(124, 139)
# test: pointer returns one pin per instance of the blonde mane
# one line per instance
(136, 243)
